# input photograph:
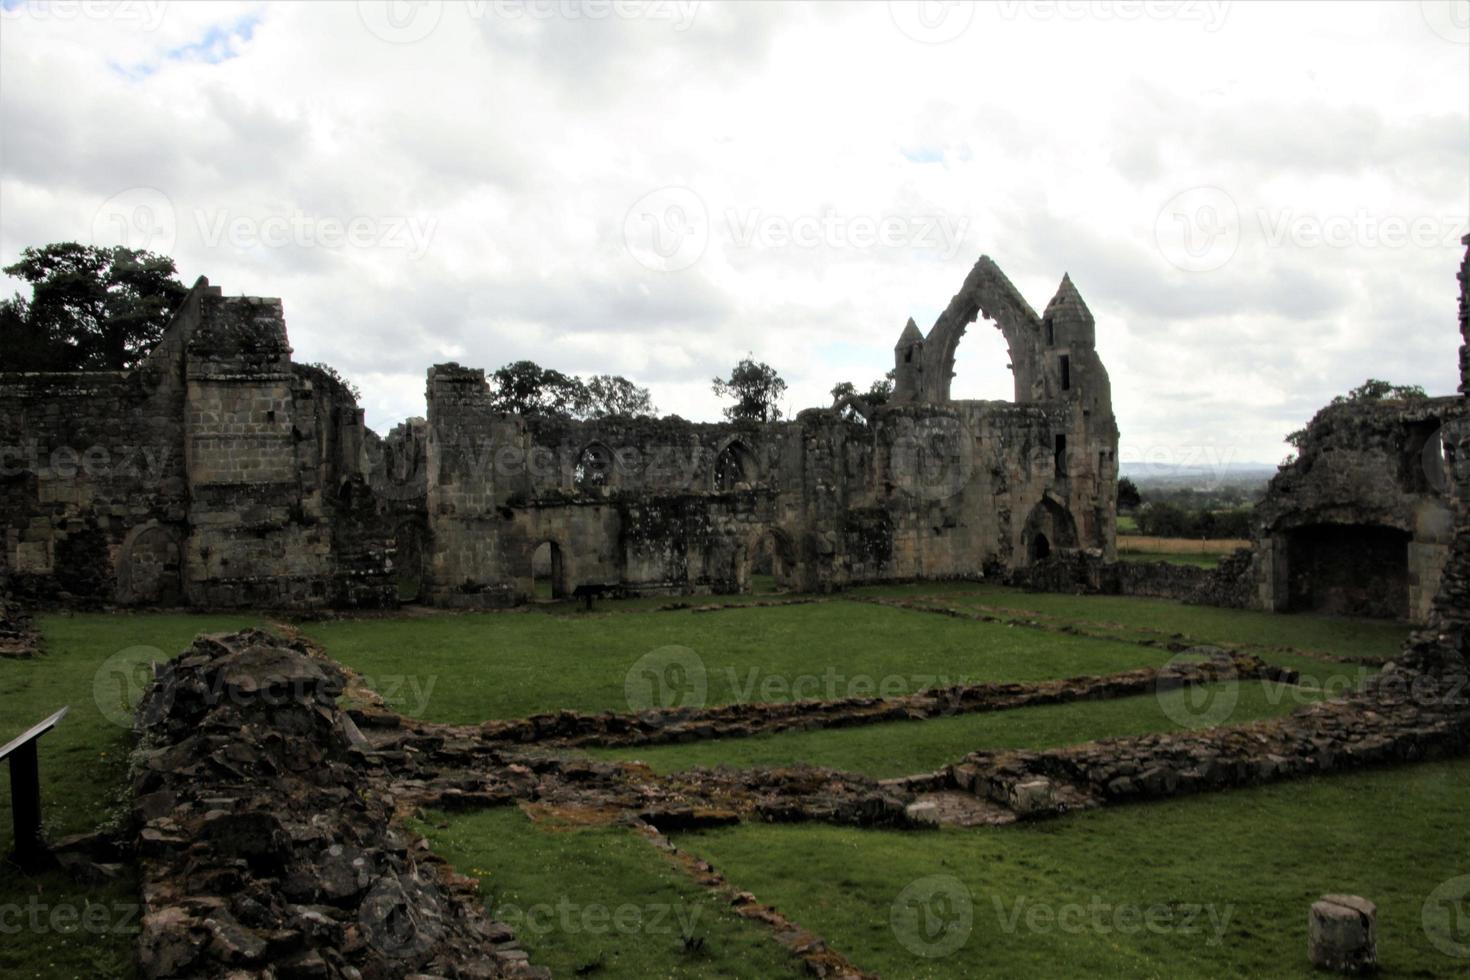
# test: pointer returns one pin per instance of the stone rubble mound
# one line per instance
(263, 848)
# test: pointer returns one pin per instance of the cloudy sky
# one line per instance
(1262, 204)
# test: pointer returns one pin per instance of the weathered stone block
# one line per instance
(1342, 934)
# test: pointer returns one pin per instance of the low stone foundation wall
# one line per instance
(1227, 584)
(18, 636)
(1401, 716)
(568, 729)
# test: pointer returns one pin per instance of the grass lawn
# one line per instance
(1068, 897)
(1198, 561)
(601, 901)
(470, 668)
(1136, 617)
(91, 663)
(906, 748)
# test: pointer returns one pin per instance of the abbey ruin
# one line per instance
(222, 474)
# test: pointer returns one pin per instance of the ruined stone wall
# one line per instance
(216, 474)
(922, 488)
(1362, 522)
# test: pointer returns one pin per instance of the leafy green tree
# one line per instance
(91, 308)
(613, 394)
(1374, 390)
(527, 388)
(757, 390)
(1129, 498)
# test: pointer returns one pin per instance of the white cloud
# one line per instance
(465, 195)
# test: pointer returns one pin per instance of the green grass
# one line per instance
(1127, 524)
(906, 748)
(1198, 561)
(90, 665)
(1137, 617)
(1259, 856)
(470, 668)
(602, 902)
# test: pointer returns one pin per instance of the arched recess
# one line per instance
(548, 571)
(987, 291)
(768, 563)
(596, 469)
(1049, 528)
(149, 566)
(734, 465)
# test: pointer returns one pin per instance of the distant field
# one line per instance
(1140, 543)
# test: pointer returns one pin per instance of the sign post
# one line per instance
(25, 793)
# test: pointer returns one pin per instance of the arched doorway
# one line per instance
(1040, 547)
(1049, 528)
(548, 572)
(767, 563)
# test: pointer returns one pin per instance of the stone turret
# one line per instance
(908, 363)
(1067, 321)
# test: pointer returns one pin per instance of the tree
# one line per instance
(527, 388)
(91, 308)
(1372, 390)
(756, 388)
(613, 394)
(1128, 496)
(1375, 389)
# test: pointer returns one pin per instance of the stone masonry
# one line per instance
(222, 474)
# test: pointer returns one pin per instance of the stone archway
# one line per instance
(1049, 528)
(548, 572)
(734, 465)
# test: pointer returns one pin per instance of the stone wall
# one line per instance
(218, 473)
(922, 488)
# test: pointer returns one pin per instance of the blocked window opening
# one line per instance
(1066, 373)
(1051, 333)
(1061, 456)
